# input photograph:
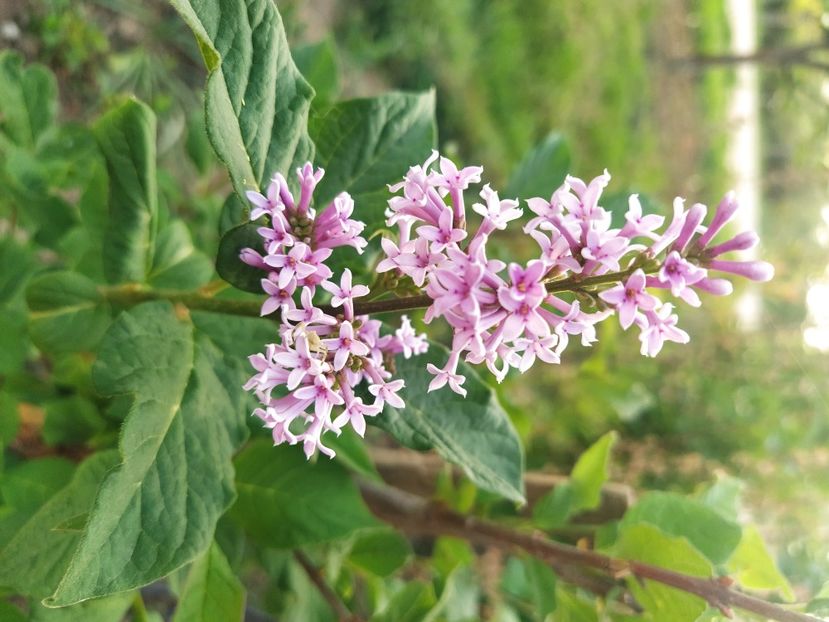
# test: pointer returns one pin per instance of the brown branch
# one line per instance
(330, 596)
(415, 515)
(417, 473)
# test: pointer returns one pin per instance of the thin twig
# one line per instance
(415, 515)
(330, 596)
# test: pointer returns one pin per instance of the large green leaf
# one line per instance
(126, 136)
(473, 432)
(256, 101)
(66, 312)
(285, 501)
(212, 591)
(541, 171)
(158, 509)
(29, 102)
(713, 535)
(35, 553)
(365, 144)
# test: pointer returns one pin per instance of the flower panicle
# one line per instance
(503, 315)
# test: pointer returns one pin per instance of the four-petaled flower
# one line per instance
(630, 297)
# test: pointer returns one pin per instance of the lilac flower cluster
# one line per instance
(503, 315)
(507, 316)
(321, 357)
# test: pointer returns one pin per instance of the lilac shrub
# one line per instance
(502, 315)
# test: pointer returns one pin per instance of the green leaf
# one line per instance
(17, 263)
(582, 491)
(67, 313)
(449, 553)
(35, 554)
(379, 551)
(71, 421)
(541, 171)
(411, 603)
(10, 613)
(753, 566)
(177, 264)
(819, 605)
(236, 336)
(590, 473)
(285, 501)
(14, 344)
(230, 267)
(24, 186)
(212, 591)
(38, 181)
(460, 597)
(318, 63)
(109, 609)
(714, 536)
(571, 608)
(646, 543)
(724, 496)
(352, 453)
(9, 418)
(365, 144)
(554, 508)
(256, 100)
(235, 212)
(472, 432)
(197, 143)
(126, 136)
(29, 102)
(30, 484)
(532, 582)
(158, 509)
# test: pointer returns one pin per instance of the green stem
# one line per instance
(577, 282)
(200, 300)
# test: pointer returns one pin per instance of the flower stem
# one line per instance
(132, 294)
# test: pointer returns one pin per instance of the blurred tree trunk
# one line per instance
(807, 55)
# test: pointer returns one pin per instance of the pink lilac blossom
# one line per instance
(306, 382)
(508, 316)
